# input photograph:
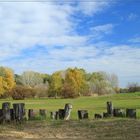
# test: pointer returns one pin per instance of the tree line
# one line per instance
(69, 83)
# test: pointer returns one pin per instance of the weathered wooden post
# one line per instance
(19, 109)
(98, 116)
(68, 108)
(54, 115)
(82, 114)
(42, 113)
(61, 113)
(110, 108)
(131, 113)
(12, 114)
(30, 114)
(118, 112)
(1, 116)
(6, 111)
(106, 115)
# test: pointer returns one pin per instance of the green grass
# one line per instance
(92, 104)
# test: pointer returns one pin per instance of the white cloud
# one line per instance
(132, 16)
(92, 7)
(29, 25)
(135, 40)
(103, 29)
(122, 60)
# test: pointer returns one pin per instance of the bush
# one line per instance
(133, 87)
(69, 92)
(41, 90)
(20, 92)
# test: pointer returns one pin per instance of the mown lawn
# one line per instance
(92, 104)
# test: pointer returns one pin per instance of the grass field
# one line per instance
(92, 104)
(104, 129)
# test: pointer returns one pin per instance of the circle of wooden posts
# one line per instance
(18, 112)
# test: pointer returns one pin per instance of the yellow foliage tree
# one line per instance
(74, 82)
(7, 81)
(56, 84)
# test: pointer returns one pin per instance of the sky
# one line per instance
(49, 35)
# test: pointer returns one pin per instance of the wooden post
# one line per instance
(118, 112)
(110, 108)
(12, 114)
(61, 113)
(82, 114)
(131, 113)
(54, 115)
(19, 109)
(106, 115)
(6, 111)
(42, 113)
(30, 114)
(1, 116)
(97, 116)
(68, 108)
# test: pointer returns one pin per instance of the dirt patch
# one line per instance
(97, 130)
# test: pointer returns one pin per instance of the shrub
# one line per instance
(69, 92)
(20, 92)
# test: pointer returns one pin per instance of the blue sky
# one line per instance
(97, 35)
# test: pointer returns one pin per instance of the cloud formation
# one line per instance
(42, 36)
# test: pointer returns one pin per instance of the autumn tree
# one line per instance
(74, 83)
(56, 84)
(7, 81)
(31, 79)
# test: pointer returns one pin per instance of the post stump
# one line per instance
(6, 111)
(118, 112)
(98, 116)
(54, 115)
(68, 108)
(19, 110)
(110, 108)
(82, 114)
(61, 113)
(131, 113)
